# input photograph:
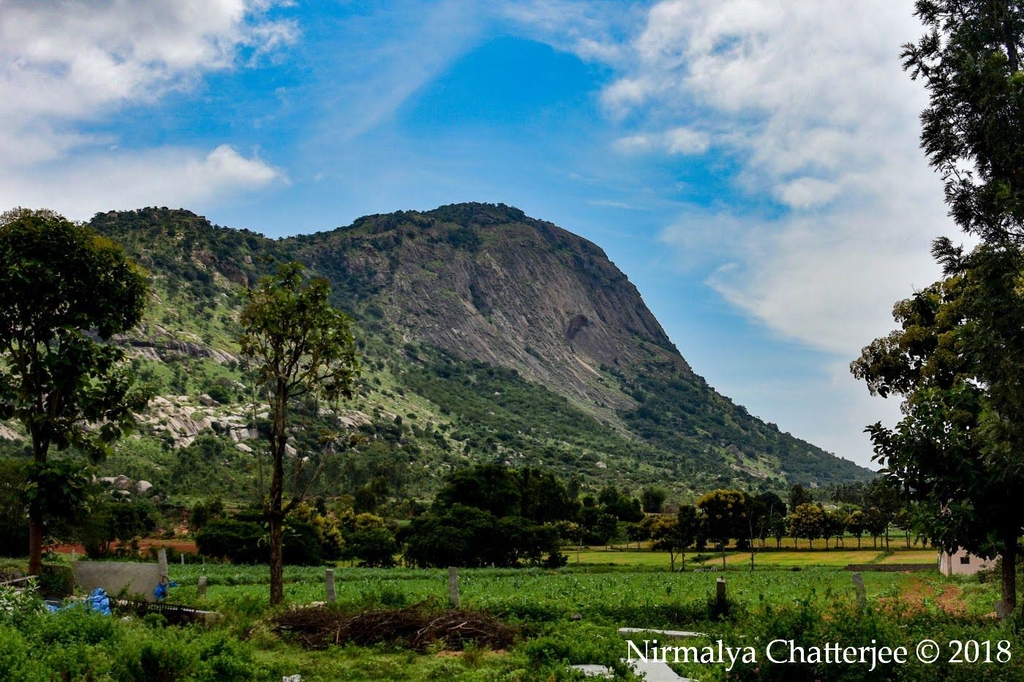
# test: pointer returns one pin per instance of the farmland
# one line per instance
(571, 615)
(563, 616)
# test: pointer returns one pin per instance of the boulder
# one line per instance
(142, 487)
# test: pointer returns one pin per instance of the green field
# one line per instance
(763, 558)
(563, 616)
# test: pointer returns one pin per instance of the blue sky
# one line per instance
(751, 165)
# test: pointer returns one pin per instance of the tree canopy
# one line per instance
(958, 360)
(299, 347)
(64, 292)
(969, 60)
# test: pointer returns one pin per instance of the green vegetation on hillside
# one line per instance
(423, 410)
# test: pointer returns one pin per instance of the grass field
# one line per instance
(598, 594)
(572, 614)
(763, 558)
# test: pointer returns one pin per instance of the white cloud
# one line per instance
(810, 100)
(807, 192)
(680, 140)
(587, 28)
(158, 177)
(683, 140)
(67, 64)
(69, 60)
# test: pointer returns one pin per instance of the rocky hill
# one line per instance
(486, 335)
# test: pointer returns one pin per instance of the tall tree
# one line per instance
(64, 291)
(957, 358)
(675, 533)
(970, 62)
(958, 361)
(300, 348)
(807, 521)
(724, 516)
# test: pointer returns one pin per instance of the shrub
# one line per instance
(245, 542)
(18, 604)
(241, 542)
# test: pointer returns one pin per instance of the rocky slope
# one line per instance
(486, 334)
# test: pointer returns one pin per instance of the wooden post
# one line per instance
(202, 586)
(720, 593)
(161, 559)
(182, 555)
(858, 584)
(453, 587)
(332, 596)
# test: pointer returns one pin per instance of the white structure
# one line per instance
(963, 562)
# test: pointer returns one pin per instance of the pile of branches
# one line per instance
(416, 627)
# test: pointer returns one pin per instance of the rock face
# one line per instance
(481, 283)
(488, 283)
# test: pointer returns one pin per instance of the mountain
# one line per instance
(486, 335)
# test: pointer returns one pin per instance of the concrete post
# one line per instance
(332, 596)
(453, 587)
(858, 585)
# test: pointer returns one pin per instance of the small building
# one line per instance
(962, 562)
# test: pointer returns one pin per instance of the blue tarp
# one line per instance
(98, 601)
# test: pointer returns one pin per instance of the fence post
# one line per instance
(202, 586)
(332, 596)
(858, 584)
(720, 593)
(453, 586)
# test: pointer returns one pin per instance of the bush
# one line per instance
(466, 536)
(245, 542)
(240, 542)
(375, 547)
(301, 544)
(18, 604)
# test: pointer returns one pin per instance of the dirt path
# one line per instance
(915, 591)
(179, 545)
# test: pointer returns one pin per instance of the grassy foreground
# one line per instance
(563, 617)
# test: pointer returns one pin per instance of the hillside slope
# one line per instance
(486, 335)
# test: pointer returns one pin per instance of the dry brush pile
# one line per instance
(417, 627)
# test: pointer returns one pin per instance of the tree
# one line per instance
(299, 347)
(799, 495)
(969, 60)
(468, 536)
(113, 520)
(13, 522)
(64, 292)
(652, 499)
(958, 361)
(875, 523)
(765, 508)
(807, 521)
(620, 504)
(833, 525)
(856, 523)
(884, 495)
(956, 449)
(675, 533)
(724, 516)
(537, 495)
